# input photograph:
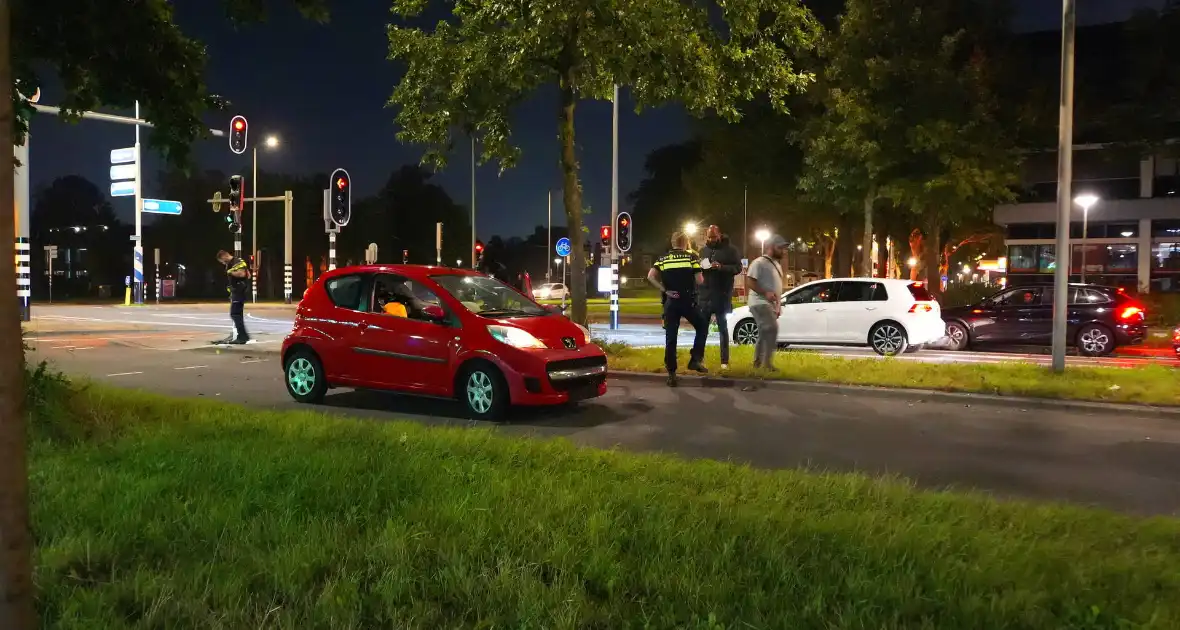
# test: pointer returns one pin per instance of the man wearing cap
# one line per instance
(764, 284)
(677, 274)
(721, 262)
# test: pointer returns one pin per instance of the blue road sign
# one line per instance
(563, 247)
(126, 281)
(160, 206)
(123, 189)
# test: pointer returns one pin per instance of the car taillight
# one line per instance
(921, 308)
(1129, 312)
(1176, 335)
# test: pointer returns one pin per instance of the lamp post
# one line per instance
(270, 142)
(1064, 184)
(762, 235)
(1086, 201)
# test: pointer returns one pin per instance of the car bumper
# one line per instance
(1130, 334)
(555, 377)
(926, 332)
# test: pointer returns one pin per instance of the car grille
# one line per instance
(582, 363)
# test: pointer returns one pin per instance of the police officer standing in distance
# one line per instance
(677, 275)
(238, 274)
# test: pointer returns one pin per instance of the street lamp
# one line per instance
(913, 262)
(762, 235)
(745, 207)
(270, 142)
(1086, 201)
(690, 229)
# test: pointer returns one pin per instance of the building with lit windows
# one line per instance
(1130, 237)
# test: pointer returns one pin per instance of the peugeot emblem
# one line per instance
(569, 342)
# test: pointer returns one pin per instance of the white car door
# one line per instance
(859, 304)
(804, 316)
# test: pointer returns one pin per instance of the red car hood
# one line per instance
(550, 329)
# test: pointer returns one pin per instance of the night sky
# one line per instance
(322, 89)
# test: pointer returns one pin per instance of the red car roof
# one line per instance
(408, 271)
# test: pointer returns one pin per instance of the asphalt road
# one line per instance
(1124, 462)
(193, 323)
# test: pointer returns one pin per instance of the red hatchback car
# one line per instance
(437, 331)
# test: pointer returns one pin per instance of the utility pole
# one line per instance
(473, 254)
(1064, 185)
(614, 213)
(548, 255)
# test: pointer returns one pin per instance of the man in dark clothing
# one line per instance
(721, 262)
(677, 274)
(238, 275)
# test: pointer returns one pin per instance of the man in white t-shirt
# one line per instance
(764, 285)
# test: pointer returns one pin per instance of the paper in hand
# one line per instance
(705, 264)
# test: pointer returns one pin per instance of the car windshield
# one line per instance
(489, 297)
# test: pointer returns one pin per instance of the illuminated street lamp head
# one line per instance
(272, 142)
(762, 234)
(1086, 201)
(557, 261)
(690, 228)
(913, 262)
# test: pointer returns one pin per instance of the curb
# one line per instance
(1080, 406)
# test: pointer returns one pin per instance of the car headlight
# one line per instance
(514, 337)
(585, 334)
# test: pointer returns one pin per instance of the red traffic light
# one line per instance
(239, 124)
(341, 183)
(624, 222)
(478, 246)
(605, 231)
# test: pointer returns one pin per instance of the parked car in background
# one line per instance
(888, 315)
(551, 291)
(441, 332)
(1100, 319)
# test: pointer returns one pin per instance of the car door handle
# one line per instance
(870, 308)
(820, 309)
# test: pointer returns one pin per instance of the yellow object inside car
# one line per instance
(396, 309)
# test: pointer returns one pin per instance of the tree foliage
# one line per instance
(661, 201)
(466, 75)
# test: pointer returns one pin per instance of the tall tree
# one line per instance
(660, 200)
(913, 113)
(107, 52)
(466, 75)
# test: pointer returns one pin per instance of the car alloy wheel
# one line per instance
(1094, 341)
(480, 392)
(301, 376)
(957, 335)
(745, 333)
(887, 339)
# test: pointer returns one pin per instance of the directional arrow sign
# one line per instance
(160, 206)
(123, 156)
(123, 189)
(122, 171)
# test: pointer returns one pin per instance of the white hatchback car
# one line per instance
(552, 291)
(890, 316)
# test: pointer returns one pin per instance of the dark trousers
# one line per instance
(718, 312)
(237, 313)
(674, 310)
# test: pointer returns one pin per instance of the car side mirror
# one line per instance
(553, 308)
(434, 312)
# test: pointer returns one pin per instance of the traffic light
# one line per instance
(237, 134)
(405, 256)
(233, 218)
(623, 232)
(604, 232)
(341, 197)
(479, 248)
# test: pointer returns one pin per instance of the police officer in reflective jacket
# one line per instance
(238, 274)
(677, 275)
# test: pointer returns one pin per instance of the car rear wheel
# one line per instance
(745, 333)
(957, 334)
(888, 339)
(1095, 341)
(305, 378)
(484, 392)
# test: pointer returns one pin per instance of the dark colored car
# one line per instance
(1099, 319)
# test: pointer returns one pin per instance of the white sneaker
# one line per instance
(724, 367)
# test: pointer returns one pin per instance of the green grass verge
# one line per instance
(154, 512)
(1149, 385)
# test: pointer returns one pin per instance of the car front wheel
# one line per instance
(888, 339)
(484, 392)
(745, 333)
(1095, 341)
(957, 334)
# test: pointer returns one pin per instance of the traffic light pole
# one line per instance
(288, 199)
(614, 214)
(331, 228)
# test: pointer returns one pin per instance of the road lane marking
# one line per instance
(124, 373)
(254, 360)
(139, 322)
(191, 367)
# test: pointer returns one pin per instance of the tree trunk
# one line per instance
(933, 258)
(917, 243)
(867, 238)
(829, 254)
(572, 198)
(16, 572)
(883, 256)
